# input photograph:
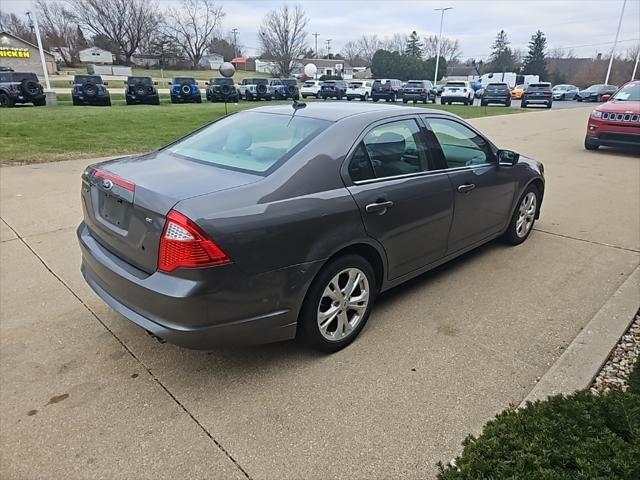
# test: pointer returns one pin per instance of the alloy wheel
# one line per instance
(343, 304)
(526, 214)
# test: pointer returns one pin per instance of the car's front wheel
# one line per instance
(338, 304)
(524, 217)
(590, 144)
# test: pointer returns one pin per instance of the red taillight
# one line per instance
(121, 182)
(185, 245)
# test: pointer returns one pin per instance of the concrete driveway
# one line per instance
(85, 394)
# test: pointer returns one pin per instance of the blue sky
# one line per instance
(586, 25)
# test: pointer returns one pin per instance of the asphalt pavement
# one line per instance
(86, 394)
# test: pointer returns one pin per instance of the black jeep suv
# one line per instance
(496, 93)
(185, 89)
(333, 89)
(419, 91)
(90, 90)
(16, 87)
(221, 89)
(141, 90)
(285, 88)
(388, 89)
(537, 94)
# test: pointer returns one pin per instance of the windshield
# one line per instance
(184, 80)
(253, 142)
(87, 78)
(560, 87)
(455, 84)
(628, 93)
(143, 80)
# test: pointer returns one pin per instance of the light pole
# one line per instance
(635, 67)
(615, 43)
(441, 10)
(42, 60)
(235, 43)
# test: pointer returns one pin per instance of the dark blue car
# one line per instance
(185, 90)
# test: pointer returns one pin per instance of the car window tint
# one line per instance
(360, 166)
(249, 141)
(396, 148)
(460, 145)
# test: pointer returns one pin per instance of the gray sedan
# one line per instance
(264, 225)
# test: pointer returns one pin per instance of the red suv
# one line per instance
(616, 123)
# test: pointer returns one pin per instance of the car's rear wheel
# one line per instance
(6, 101)
(365, 98)
(523, 104)
(524, 217)
(338, 304)
(590, 144)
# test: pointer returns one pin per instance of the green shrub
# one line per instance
(581, 436)
(634, 378)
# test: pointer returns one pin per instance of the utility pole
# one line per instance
(328, 47)
(42, 60)
(635, 67)
(615, 43)
(441, 10)
(316, 35)
(235, 42)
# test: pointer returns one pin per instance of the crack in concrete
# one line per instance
(626, 249)
(127, 349)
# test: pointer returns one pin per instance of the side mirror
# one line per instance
(508, 157)
(606, 97)
(155, 83)
(169, 83)
(206, 83)
(105, 83)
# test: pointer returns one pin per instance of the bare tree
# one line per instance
(283, 37)
(193, 26)
(369, 45)
(351, 51)
(60, 30)
(127, 23)
(396, 43)
(449, 48)
(15, 25)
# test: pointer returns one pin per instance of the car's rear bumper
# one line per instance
(197, 311)
(540, 100)
(416, 96)
(504, 99)
(142, 98)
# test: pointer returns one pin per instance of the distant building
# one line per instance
(212, 61)
(96, 55)
(329, 67)
(23, 56)
(462, 73)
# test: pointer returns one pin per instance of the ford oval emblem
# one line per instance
(107, 184)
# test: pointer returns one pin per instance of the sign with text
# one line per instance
(14, 52)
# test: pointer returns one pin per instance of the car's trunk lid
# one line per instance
(126, 201)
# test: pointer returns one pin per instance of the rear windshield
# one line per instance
(19, 77)
(289, 81)
(539, 86)
(415, 84)
(254, 142)
(628, 93)
(256, 81)
(329, 82)
(184, 80)
(355, 84)
(143, 80)
(497, 86)
(455, 84)
(309, 84)
(87, 78)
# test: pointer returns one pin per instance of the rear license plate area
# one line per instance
(113, 209)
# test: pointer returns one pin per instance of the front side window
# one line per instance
(461, 146)
(628, 93)
(389, 150)
(249, 141)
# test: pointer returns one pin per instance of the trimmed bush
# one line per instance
(581, 436)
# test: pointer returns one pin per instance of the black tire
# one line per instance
(174, 100)
(304, 96)
(198, 99)
(562, 97)
(579, 99)
(42, 102)
(483, 103)
(156, 101)
(349, 99)
(404, 100)
(6, 101)
(589, 144)
(508, 103)
(75, 101)
(393, 97)
(365, 98)
(308, 329)
(128, 102)
(442, 102)
(376, 99)
(510, 236)
(523, 104)
(107, 102)
(550, 104)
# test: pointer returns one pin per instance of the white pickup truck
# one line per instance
(310, 88)
(359, 89)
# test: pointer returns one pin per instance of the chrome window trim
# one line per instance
(442, 171)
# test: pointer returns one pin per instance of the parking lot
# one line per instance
(88, 395)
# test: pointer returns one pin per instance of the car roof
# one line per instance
(337, 111)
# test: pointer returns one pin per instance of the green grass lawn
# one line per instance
(63, 132)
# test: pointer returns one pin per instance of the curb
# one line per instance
(576, 368)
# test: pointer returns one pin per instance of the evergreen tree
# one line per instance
(502, 58)
(414, 45)
(535, 62)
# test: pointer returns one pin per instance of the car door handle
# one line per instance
(380, 207)
(467, 187)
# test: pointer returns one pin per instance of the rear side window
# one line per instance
(389, 150)
(461, 146)
(253, 142)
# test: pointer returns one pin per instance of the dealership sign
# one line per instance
(13, 52)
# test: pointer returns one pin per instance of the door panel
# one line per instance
(483, 191)
(406, 208)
